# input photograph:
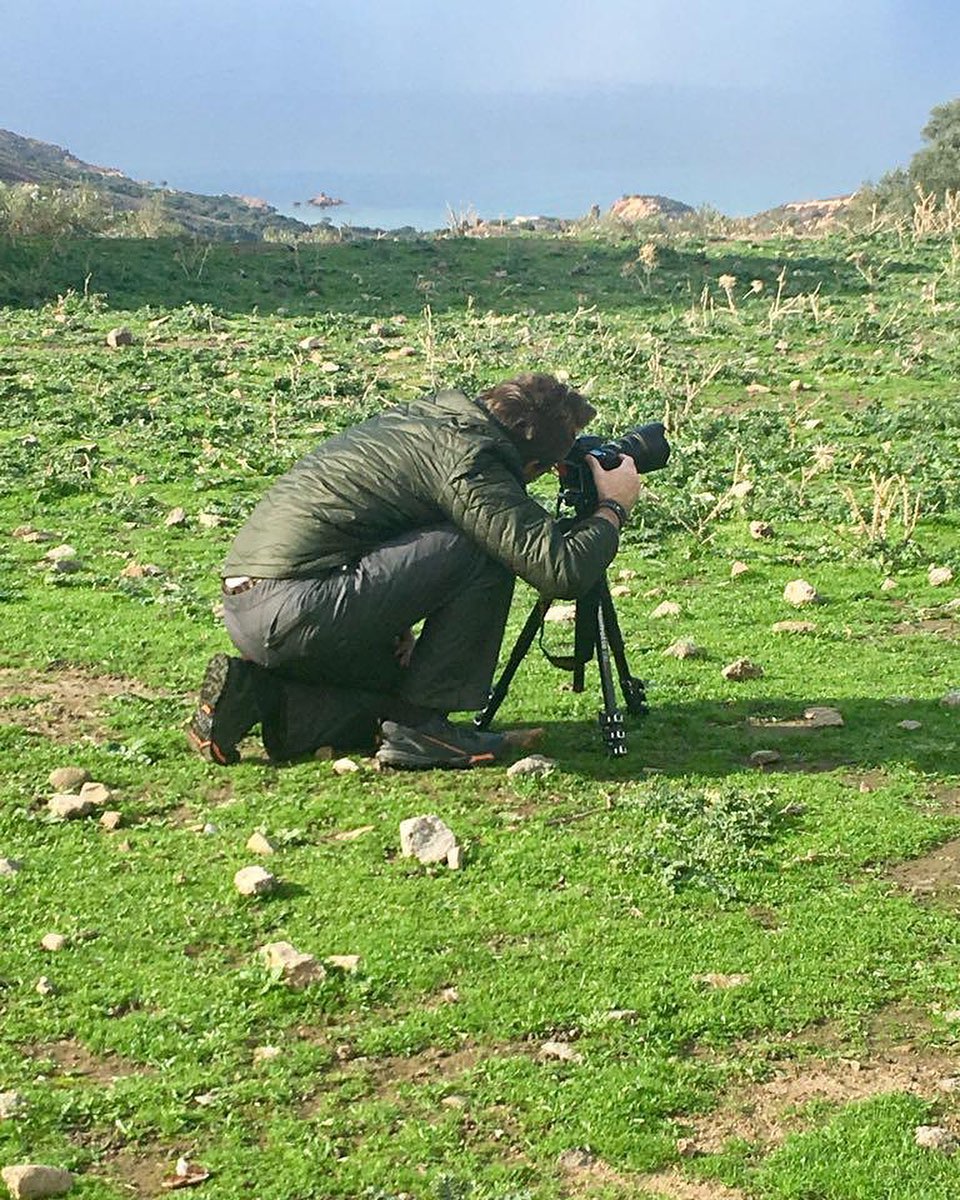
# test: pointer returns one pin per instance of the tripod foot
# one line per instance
(635, 694)
(612, 731)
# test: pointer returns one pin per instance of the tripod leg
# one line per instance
(584, 637)
(520, 648)
(634, 689)
(610, 717)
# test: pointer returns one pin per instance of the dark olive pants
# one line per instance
(328, 645)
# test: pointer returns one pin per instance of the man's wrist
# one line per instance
(616, 508)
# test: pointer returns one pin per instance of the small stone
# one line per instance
(9, 867)
(450, 995)
(350, 963)
(111, 819)
(60, 553)
(310, 343)
(820, 716)
(45, 987)
(426, 838)
(793, 627)
(935, 1137)
(208, 829)
(11, 1103)
(258, 843)
(345, 766)
(938, 576)
(135, 570)
(176, 516)
(626, 574)
(737, 569)
(254, 881)
(33, 1181)
(741, 489)
(69, 808)
(951, 699)
(888, 584)
(351, 835)
(559, 1052)
(208, 520)
(454, 858)
(454, 1102)
(626, 1015)
(66, 566)
(329, 368)
(741, 669)
(533, 764)
(764, 758)
(53, 941)
(120, 336)
(715, 980)
(95, 793)
(68, 779)
(561, 612)
(265, 1053)
(910, 725)
(798, 592)
(575, 1160)
(950, 1083)
(619, 590)
(760, 530)
(684, 648)
(687, 1147)
(668, 608)
(296, 969)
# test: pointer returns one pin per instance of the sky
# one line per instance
(507, 107)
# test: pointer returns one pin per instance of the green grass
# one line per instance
(613, 884)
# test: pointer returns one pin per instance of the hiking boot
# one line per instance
(437, 743)
(226, 710)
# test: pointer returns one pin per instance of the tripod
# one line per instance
(596, 630)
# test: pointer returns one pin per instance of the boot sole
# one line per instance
(200, 729)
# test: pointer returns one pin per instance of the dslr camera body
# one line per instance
(647, 445)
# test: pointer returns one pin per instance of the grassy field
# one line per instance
(747, 978)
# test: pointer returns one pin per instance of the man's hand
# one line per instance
(621, 484)
(403, 648)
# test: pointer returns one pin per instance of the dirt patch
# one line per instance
(73, 1058)
(138, 1170)
(934, 877)
(63, 703)
(944, 627)
(673, 1186)
(947, 798)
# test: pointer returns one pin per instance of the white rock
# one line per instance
(344, 962)
(11, 1103)
(561, 612)
(761, 529)
(533, 764)
(935, 1137)
(426, 838)
(68, 779)
(265, 1053)
(819, 716)
(254, 881)
(737, 569)
(950, 700)
(208, 520)
(310, 343)
(258, 843)
(68, 808)
(95, 793)
(741, 488)
(53, 941)
(669, 608)
(559, 1052)
(111, 819)
(176, 516)
(938, 576)
(9, 866)
(888, 584)
(798, 592)
(32, 1181)
(683, 648)
(910, 725)
(619, 591)
(454, 858)
(45, 987)
(764, 758)
(345, 766)
(296, 969)
(120, 336)
(793, 627)
(60, 552)
(741, 669)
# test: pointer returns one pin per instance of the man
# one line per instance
(418, 514)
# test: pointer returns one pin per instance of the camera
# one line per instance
(647, 445)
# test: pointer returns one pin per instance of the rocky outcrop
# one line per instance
(641, 208)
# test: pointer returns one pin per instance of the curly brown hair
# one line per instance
(541, 415)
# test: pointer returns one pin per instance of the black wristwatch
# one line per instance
(616, 508)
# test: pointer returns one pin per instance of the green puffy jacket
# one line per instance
(442, 459)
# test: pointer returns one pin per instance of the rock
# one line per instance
(329, 368)
(798, 592)
(53, 941)
(257, 843)
(764, 758)
(175, 517)
(684, 648)
(135, 570)
(950, 699)
(560, 612)
(742, 669)
(95, 793)
(11, 1103)
(426, 838)
(888, 585)
(938, 576)
(60, 553)
(345, 766)
(910, 725)
(715, 980)
(760, 530)
(27, 533)
(296, 969)
(950, 1083)
(575, 1160)
(254, 881)
(819, 716)
(65, 807)
(45, 987)
(120, 336)
(350, 963)
(619, 590)
(32, 1181)
(455, 858)
(626, 1015)
(935, 1137)
(454, 1101)
(208, 829)
(265, 1053)
(111, 820)
(533, 764)
(741, 488)
(559, 1052)
(687, 1147)
(310, 343)
(66, 566)
(208, 520)
(793, 627)
(68, 779)
(9, 867)
(737, 569)
(626, 574)
(669, 608)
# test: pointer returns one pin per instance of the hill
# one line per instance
(26, 160)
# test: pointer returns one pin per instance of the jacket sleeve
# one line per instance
(492, 507)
